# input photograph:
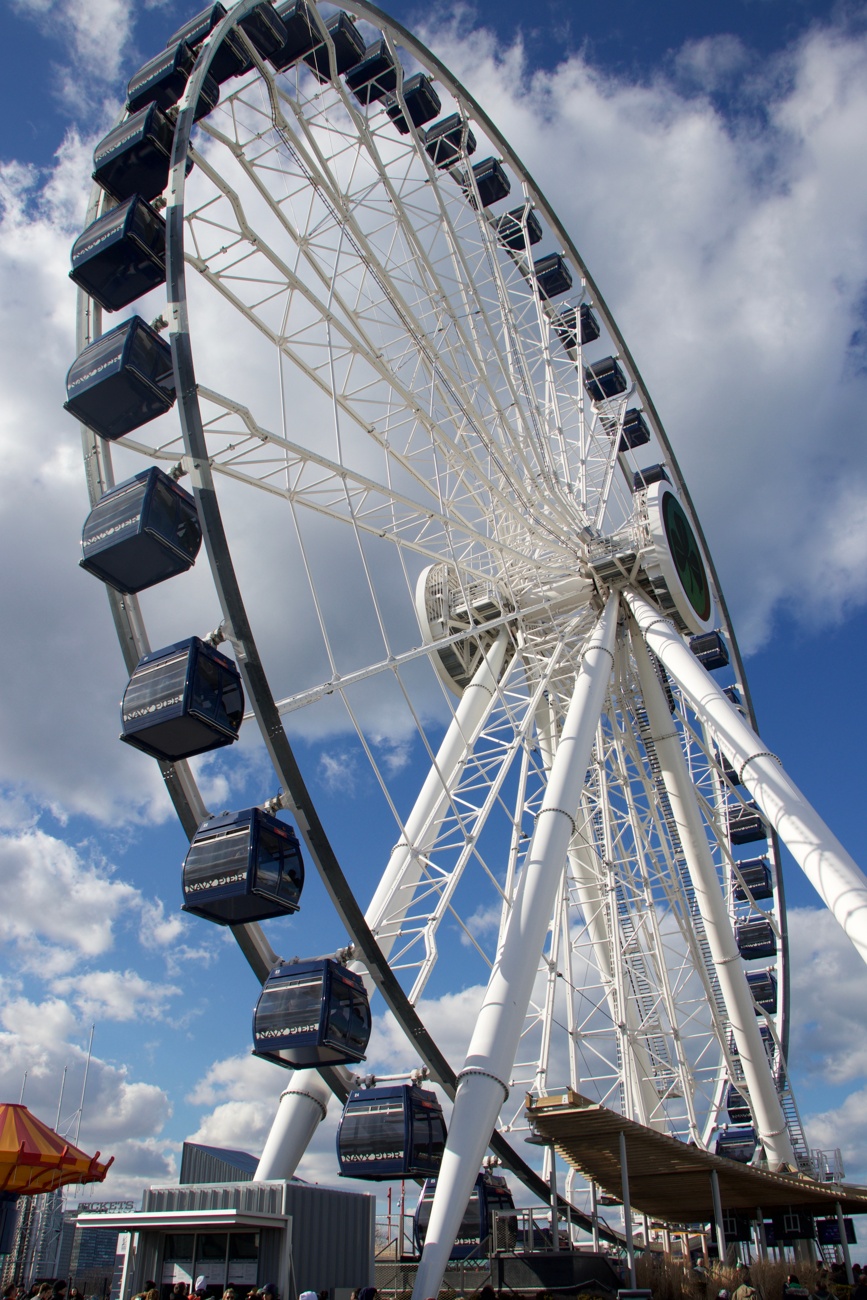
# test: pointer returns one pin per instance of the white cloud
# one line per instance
(117, 995)
(338, 771)
(37, 871)
(828, 1037)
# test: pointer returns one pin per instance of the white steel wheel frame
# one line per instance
(451, 433)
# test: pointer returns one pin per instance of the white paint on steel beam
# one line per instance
(834, 875)
(717, 922)
(483, 1083)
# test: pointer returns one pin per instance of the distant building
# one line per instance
(204, 1164)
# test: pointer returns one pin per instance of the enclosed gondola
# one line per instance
(422, 103)
(376, 74)
(230, 59)
(447, 140)
(302, 34)
(121, 381)
(183, 700)
(134, 157)
(243, 866)
(737, 1106)
(755, 939)
(141, 532)
(312, 1013)
(576, 325)
(391, 1132)
(348, 44)
(553, 276)
(489, 1196)
(491, 182)
(746, 824)
(164, 78)
(604, 380)
(763, 986)
(753, 875)
(121, 255)
(738, 1144)
(519, 227)
(710, 650)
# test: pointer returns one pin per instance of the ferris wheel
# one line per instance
(446, 534)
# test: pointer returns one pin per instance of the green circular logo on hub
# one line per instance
(686, 555)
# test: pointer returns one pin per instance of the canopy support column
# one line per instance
(483, 1084)
(844, 1245)
(831, 871)
(627, 1211)
(719, 1222)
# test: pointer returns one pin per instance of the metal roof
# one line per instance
(669, 1179)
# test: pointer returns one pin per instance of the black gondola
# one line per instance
(552, 274)
(642, 478)
(163, 80)
(737, 1106)
(141, 532)
(746, 824)
(446, 141)
(121, 255)
(733, 696)
(635, 432)
(121, 381)
(422, 103)
(730, 773)
(738, 1144)
(183, 700)
(710, 650)
(230, 60)
(604, 380)
(391, 1132)
(490, 1193)
(755, 939)
(511, 227)
(576, 325)
(491, 181)
(348, 48)
(243, 866)
(763, 986)
(134, 158)
(757, 878)
(312, 1013)
(302, 34)
(375, 76)
(264, 29)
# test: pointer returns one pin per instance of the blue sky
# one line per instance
(740, 281)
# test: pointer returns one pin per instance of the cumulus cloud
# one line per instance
(36, 870)
(117, 995)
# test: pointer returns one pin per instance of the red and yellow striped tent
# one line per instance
(33, 1158)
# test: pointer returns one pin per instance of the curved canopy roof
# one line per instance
(668, 1179)
(33, 1158)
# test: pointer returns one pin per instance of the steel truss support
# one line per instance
(833, 874)
(717, 923)
(305, 1102)
(482, 1084)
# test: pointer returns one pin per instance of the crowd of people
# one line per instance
(830, 1284)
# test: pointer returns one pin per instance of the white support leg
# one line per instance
(305, 1102)
(483, 1086)
(717, 922)
(832, 872)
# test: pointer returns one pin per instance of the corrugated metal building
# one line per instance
(245, 1234)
